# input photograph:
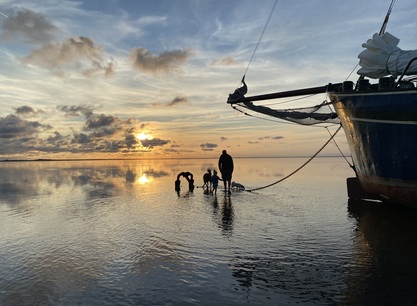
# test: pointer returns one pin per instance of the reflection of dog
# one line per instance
(237, 186)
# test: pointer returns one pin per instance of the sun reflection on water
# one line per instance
(143, 179)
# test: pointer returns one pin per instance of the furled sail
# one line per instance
(382, 57)
(303, 116)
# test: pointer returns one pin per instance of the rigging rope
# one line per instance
(299, 168)
(260, 37)
(381, 32)
(337, 146)
(384, 24)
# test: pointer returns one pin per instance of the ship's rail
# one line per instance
(406, 69)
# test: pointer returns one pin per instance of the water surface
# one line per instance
(117, 233)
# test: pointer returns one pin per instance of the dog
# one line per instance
(207, 179)
(237, 186)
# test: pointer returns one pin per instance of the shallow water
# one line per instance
(117, 233)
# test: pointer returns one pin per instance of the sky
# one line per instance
(150, 79)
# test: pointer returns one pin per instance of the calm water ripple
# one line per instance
(116, 233)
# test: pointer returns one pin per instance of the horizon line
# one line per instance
(156, 158)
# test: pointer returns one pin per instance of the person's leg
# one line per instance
(226, 180)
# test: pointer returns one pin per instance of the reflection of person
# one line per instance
(226, 169)
(224, 215)
(227, 217)
(215, 181)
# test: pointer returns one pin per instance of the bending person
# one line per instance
(226, 169)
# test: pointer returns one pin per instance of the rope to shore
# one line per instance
(299, 168)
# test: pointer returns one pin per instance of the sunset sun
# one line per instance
(143, 136)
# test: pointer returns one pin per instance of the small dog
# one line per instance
(207, 179)
(237, 186)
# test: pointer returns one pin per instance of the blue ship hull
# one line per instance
(381, 130)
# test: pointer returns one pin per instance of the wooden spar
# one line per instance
(284, 94)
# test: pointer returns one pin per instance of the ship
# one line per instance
(380, 124)
(378, 114)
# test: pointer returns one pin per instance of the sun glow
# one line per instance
(143, 136)
(143, 179)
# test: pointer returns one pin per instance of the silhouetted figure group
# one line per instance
(211, 180)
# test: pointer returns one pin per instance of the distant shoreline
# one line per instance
(159, 158)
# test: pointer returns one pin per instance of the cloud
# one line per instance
(155, 142)
(98, 121)
(144, 61)
(104, 125)
(178, 100)
(29, 27)
(156, 174)
(100, 133)
(225, 61)
(81, 138)
(105, 133)
(26, 111)
(208, 146)
(150, 20)
(131, 140)
(79, 54)
(76, 110)
(109, 146)
(57, 137)
(265, 137)
(12, 126)
(269, 137)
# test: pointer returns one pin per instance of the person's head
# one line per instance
(224, 152)
(214, 172)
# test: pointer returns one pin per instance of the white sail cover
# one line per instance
(382, 57)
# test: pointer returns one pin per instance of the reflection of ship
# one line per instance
(385, 270)
(379, 120)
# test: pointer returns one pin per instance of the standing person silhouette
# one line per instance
(226, 169)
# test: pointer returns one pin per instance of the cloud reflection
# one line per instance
(19, 181)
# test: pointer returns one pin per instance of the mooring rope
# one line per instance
(299, 168)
